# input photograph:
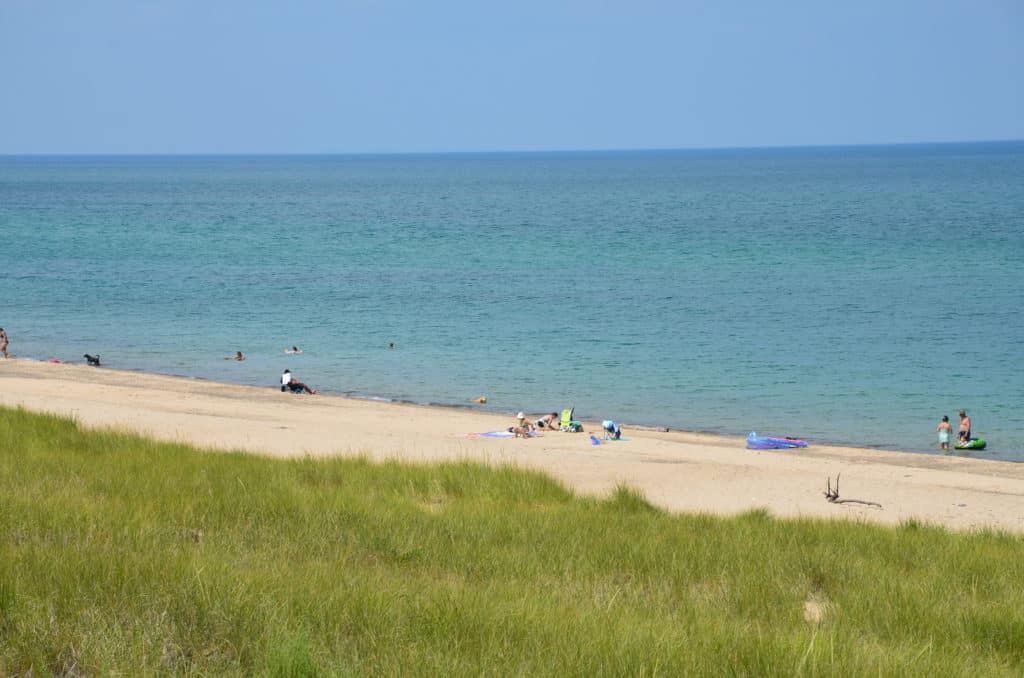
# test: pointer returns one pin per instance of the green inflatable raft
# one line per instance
(972, 444)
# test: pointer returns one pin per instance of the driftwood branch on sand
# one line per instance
(833, 495)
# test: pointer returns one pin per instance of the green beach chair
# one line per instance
(568, 423)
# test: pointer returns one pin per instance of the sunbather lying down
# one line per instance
(289, 382)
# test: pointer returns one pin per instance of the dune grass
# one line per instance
(119, 554)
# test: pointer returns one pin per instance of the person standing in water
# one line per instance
(3, 342)
(945, 431)
(963, 433)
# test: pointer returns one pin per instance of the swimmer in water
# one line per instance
(238, 356)
(293, 349)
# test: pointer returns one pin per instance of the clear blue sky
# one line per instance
(353, 76)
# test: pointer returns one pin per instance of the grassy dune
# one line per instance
(120, 554)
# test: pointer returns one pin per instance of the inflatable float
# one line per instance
(972, 444)
(756, 442)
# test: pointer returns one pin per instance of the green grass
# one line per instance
(123, 555)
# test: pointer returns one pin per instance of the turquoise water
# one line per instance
(842, 295)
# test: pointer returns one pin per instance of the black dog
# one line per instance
(93, 360)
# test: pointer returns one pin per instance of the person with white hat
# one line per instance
(523, 427)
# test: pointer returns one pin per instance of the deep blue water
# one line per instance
(844, 295)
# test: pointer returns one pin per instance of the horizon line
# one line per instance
(504, 152)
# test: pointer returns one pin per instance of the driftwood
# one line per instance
(833, 495)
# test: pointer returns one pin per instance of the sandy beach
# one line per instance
(676, 470)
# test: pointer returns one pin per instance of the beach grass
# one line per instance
(119, 554)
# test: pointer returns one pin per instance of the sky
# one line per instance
(390, 76)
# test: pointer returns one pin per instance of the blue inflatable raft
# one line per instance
(756, 442)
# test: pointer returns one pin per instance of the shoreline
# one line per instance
(471, 407)
(676, 470)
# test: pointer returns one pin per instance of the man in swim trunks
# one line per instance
(963, 434)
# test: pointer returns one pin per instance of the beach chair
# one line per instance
(568, 423)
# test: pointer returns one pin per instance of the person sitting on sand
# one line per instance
(289, 382)
(945, 430)
(612, 429)
(293, 350)
(963, 433)
(550, 421)
(238, 356)
(522, 428)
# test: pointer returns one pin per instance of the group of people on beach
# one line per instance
(524, 427)
(945, 429)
